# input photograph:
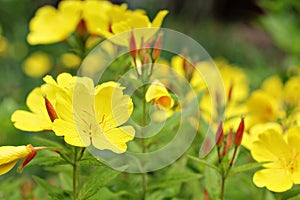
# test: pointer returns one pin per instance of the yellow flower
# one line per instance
(158, 94)
(263, 108)
(256, 130)
(37, 64)
(50, 25)
(283, 155)
(134, 21)
(94, 116)
(9, 156)
(37, 119)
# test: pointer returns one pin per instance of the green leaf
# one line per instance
(175, 178)
(204, 162)
(53, 191)
(98, 179)
(245, 167)
(48, 161)
(89, 160)
(48, 142)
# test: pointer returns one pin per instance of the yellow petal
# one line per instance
(270, 147)
(157, 22)
(115, 139)
(12, 153)
(71, 134)
(4, 168)
(112, 105)
(28, 121)
(276, 180)
(51, 25)
(160, 95)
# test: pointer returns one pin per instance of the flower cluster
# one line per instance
(96, 18)
(273, 132)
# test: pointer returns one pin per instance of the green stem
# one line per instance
(75, 173)
(144, 147)
(222, 187)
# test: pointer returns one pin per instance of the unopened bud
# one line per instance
(132, 46)
(220, 135)
(230, 92)
(50, 109)
(157, 48)
(228, 143)
(239, 133)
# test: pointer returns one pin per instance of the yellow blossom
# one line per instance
(94, 116)
(50, 25)
(9, 156)
(158, 94)
(282, 153)
(37, 64)
(37, 119)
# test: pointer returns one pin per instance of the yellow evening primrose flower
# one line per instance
(94, 116)
(38, 119)
(134, 22)
(158, 94)
(9, 156)
(282, 153)
(50, 25)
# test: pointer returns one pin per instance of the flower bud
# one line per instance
(228, 143)
(230, 92)
(220, 135)
(239, 133)
(50, 109)
(132, 46)
(157, 48)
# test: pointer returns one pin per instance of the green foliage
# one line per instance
(97, 180)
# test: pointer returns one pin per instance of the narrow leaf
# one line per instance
(245, 167)
(172, 179)
(204, 162)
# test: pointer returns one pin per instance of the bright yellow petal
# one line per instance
(114, 139)
(111, 105)
(157, 22)
(160, 95)
(28, 121)
(270, 147)
(71, 135)
(276, 180)
(51, 25)
(12, 153)
(293, 138)
(4, 168)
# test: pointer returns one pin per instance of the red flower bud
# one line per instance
(228, 143)
(157, 47)
(132, 46)
(50, 109)
(220, 135)
(239, 133)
